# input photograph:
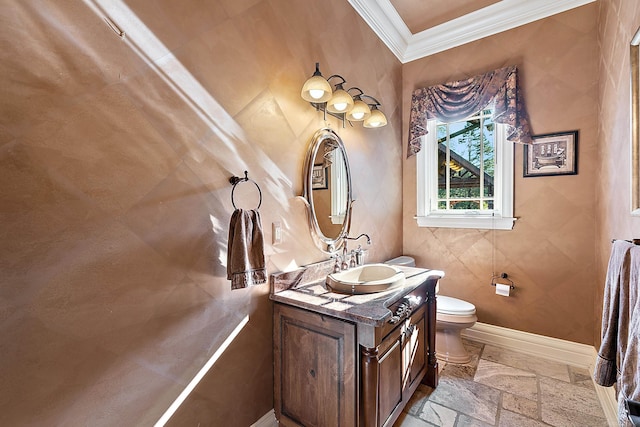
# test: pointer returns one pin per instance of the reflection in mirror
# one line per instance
(327, 189)
(330, 197)
(635, 124)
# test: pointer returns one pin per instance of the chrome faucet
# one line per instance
(356, 238)
(356, 256)
(349, 259)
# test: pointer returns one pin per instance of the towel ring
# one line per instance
(236, 180)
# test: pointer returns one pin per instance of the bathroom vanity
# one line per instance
(350, 360)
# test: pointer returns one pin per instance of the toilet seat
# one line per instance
(454, 307)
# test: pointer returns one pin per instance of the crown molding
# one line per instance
(385, 21)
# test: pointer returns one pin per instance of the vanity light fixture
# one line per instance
(339, 102)
(377, 119)
(360, 110)
(317, 88)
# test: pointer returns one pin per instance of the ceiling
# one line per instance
(413, 29)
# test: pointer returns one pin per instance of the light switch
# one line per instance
(276, 233)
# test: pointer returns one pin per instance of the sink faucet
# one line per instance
(356, 238)
(356, 256)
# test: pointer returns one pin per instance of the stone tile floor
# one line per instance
(505, 388)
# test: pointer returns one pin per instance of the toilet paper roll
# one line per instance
(503, 290)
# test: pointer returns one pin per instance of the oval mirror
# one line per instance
(327, 190)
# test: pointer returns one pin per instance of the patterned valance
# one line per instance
(453, 101)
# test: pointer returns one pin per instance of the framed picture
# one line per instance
(319, 177)
(552, 154)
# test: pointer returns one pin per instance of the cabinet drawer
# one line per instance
(416, 299)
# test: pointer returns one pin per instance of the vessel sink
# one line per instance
(366, 279)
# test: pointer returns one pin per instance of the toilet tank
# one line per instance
(404, 260)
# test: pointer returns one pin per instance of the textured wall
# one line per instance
(550, 253)
(114, 205)
(618, 21)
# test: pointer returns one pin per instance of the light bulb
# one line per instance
(316, 93)
(357, 116)
(340, 106)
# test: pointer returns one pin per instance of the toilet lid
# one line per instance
(454, 306)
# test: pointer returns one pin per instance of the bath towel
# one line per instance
(245, 252)
(617, 281)
(628, 384)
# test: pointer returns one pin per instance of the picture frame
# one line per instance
(551, 154)
(319, 177)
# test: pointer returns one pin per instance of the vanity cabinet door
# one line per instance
(315, 371)
(414, 360)
(390, 360)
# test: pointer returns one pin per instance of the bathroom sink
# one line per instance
(366, 279)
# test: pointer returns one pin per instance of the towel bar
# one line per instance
(634, 241)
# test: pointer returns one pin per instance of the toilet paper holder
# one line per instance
(503, 276)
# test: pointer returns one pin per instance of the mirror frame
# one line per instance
(634, 60)
(326, 244)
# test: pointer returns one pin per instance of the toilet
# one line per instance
(452, 317)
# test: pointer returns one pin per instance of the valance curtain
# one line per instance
(453, 101)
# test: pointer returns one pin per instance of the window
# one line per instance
(338, 180)
(465, 175)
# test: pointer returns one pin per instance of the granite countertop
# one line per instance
(312, 294)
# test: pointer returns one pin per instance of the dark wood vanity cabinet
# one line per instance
(337, 373)
(315, 379)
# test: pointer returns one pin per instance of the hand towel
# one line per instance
(629, 373)
(245, 252)
(617, 280)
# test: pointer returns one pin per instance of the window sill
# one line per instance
(480, 223)
(337, 219)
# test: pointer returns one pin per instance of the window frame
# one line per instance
(499, 218)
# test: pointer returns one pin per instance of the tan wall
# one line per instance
(115, 201)
(115, 198)
(550, 253)
(618, 22)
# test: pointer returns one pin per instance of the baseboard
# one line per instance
(568, 352)
(267, 420)
(607, 397)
